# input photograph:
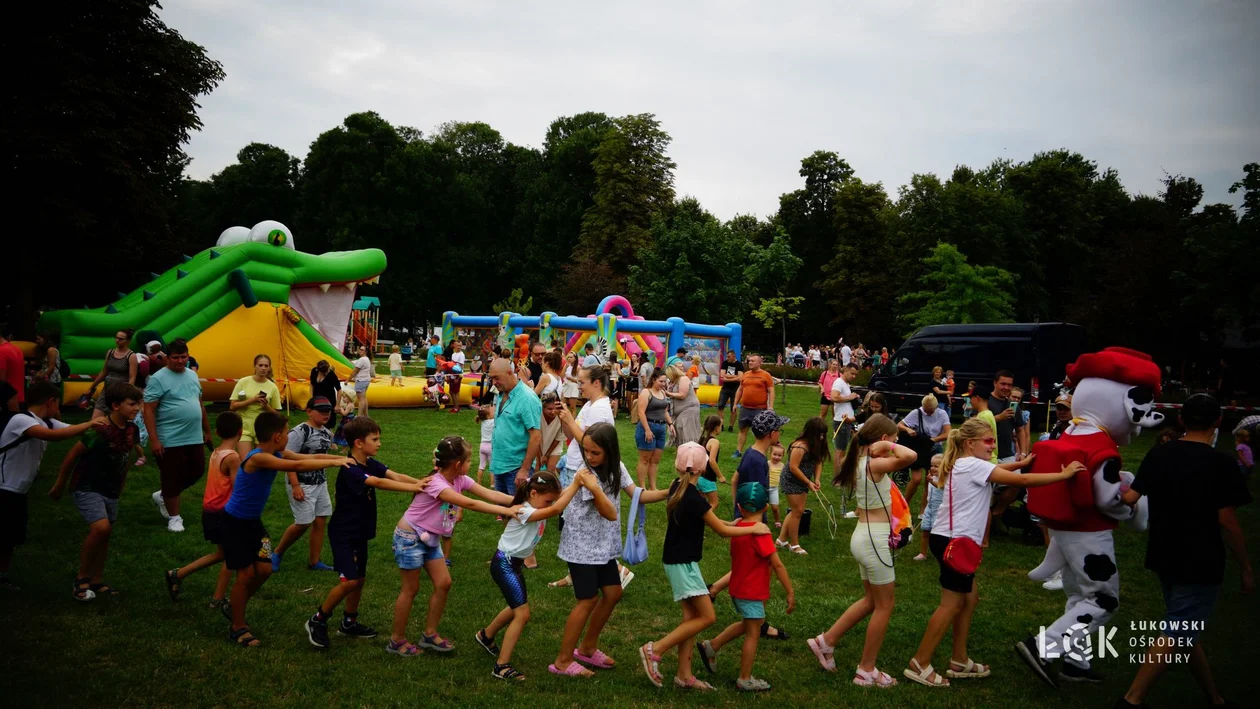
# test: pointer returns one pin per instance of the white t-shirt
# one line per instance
(363, 369)
(458, 358)
(593, 412)
(970, 500)
(395, 362)
(520, 536)
(487, 431)
(932, 424)
(843, 408)
(19, 464)
(846, 355)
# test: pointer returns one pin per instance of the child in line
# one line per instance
(752, 558)
(308, 492)
(430, 517)
(395, 367)
(225, 462)
(22, 444)
(688, 513)
(539, 500)
(712, 476)
(754, 467)
(1242, 448)
(873, 456)
(246, 545)
(590, 543)
(347, 408)
(934, 497)
(966, 475)
(99, 463)
(776, 470)
(485, 417)
(353, 525)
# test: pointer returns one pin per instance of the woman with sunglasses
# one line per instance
(120, 365)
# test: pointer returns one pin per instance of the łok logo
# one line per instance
(1077, 644)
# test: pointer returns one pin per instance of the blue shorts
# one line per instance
(410, 553)
(1187, 607)
(706, 486)
(360, 388)
(749, 610)
(505, 483)
(395, 373)
(659, 430)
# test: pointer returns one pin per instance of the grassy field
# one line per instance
(141, 649)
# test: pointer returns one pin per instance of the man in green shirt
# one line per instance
(517, 428)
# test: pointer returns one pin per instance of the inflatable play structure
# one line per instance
(614, 330)
(252, 293)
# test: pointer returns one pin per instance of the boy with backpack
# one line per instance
(308, 492)
(22, 444)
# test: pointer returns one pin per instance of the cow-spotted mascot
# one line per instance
(1113, 401)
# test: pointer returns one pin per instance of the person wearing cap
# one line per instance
(1062, 415)
(308, 492)
(688, 513)
(752, 558)
(754, 467)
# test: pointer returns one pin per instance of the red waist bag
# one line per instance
(962, 554)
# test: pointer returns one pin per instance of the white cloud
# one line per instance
(747, 89)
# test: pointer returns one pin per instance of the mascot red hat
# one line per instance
(1119, 364)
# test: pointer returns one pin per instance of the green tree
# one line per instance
(93, 136)
(261, 184)
(778, 311)
(857, 280)
(634, 183)
(957, 292)
(516, 302)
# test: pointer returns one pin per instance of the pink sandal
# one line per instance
(598, 659)
(650, 660)
(874, 678)
(825, 656)
(573, 670)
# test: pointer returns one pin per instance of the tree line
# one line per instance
(466, 217)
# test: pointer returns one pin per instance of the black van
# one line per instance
(1037, 354)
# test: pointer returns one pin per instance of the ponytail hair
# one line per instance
(542, 482)
(598, 373)
(876, 427)
(450, 451)
(972, 429)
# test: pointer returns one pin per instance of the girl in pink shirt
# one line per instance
(430, 517)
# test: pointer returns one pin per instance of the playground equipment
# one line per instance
(252, 293)
(615, 331)
(365, 317)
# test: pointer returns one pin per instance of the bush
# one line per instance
(812, 375)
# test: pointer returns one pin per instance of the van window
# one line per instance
(903, 361)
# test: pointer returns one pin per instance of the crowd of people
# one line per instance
(550, 446)
(816, 356)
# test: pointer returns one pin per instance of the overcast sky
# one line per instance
(746, 89)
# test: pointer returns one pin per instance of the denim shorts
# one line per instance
(1187, 607)
(749, 610)
(659, 430)
(93, 506)
(706, 486)
(505, 483)
(410, 553)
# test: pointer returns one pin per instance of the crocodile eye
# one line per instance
(273, 233)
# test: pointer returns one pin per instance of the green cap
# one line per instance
(752, 497)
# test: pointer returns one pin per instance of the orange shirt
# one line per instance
(757, 385)
(218, 483)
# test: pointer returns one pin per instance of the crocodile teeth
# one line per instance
(325, 286)
(351, 285)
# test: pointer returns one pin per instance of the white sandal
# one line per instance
(780, 543)
(874, 678)
(969, 670)
(796, 549)
(922, 675)
(825, 655)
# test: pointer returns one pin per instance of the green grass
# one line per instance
(139, 648)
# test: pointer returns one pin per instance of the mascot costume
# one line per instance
(1114, 397)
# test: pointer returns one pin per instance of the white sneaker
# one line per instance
(850, 515)
(626, 576)
(1054, 583)
(176, 524)
(161, 504)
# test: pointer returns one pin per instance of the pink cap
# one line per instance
(692, 457)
